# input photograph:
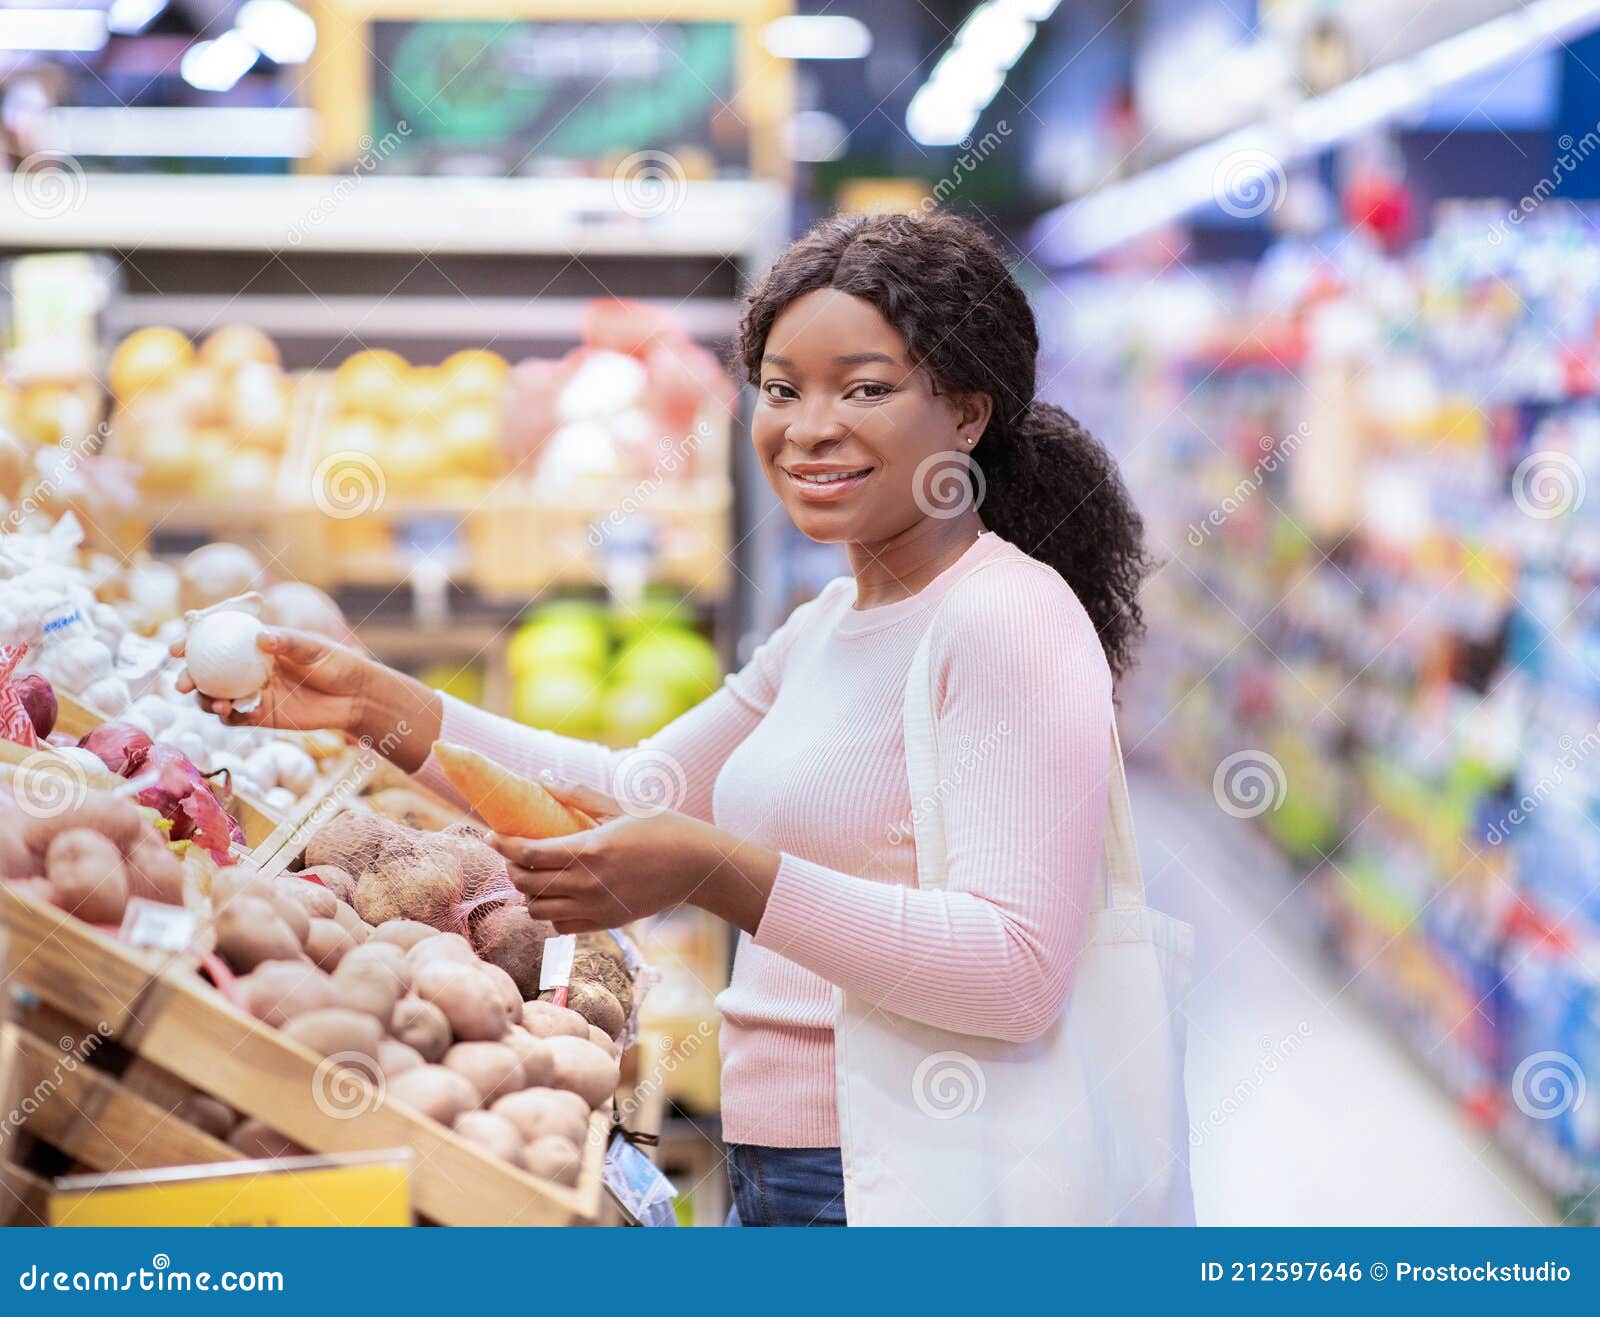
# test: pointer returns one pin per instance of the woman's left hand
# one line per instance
(636, 863)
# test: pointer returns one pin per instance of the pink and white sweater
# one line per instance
(802, 751)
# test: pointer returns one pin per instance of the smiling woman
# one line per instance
(903, 927)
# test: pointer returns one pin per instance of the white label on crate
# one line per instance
(555, 970)
(159, 927)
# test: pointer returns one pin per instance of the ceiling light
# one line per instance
(283, 32)
(218, 65)
(128, 17)
(818, 36)
(936, 120)
(52, 29)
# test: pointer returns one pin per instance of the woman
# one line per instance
(894, 361)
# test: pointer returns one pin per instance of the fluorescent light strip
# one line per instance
(1119, 212)
(52, 29)
(127, 17)
(970, 74)
(817, 36)
(283, 32)
(180, 131)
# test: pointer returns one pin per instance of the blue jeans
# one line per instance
(785, 1186)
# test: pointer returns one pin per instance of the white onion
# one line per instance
(223, 657)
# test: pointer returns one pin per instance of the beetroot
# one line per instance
(39, 699)
(121, 748)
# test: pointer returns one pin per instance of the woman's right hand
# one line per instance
(314, 684)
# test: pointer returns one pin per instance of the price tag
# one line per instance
(637, 1184)
(159, 927)
(555, 970)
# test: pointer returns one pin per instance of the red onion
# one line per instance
(120, 747)
(39, 699)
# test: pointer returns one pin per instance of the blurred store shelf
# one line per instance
(354, 213)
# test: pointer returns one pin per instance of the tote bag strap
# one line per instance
(930, 783)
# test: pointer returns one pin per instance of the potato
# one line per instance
(236, 881)
(351, 840)
(338, 1031)
(154, 872)
(505, 990)
(545, 1019)
(254, 1138)
(332, 879)
(381, 955)
(412, 808)
(352, 923)
(493, 1068)
(206, 1113)
(538, 1066)
(37, 888)
(292, 913)
(249, 932)
(367, 986)
(466, 996)
(599, 959)
(554, 1159)
(494, 1134)
(404, 933)
(279, 990)
(422, 1025)
(596, 1004)
(508, 936)
(395, 1058)
(442, 946)
(317, 901)
(410, 882)
(328, 943)
(540, 1111)
(584, 1069)
(601, 1039)
(86, 876)
(435, 1091)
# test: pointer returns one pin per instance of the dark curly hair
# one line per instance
(1048, 486)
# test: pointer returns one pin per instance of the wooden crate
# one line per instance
(158, 1008)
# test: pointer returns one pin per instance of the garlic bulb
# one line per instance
(296, 770)
(154, 712)
(262, 765)
(76, 664)
(109, 696)
(223, 657)
(193, 748)
(280, 799)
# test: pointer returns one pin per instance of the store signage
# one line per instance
(558, 90)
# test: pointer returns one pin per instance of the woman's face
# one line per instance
(843, 422)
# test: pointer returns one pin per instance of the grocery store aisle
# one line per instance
(1304, 1111)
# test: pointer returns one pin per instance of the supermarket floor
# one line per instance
(1306, 1111)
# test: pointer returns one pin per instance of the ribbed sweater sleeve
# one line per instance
(1023, 699)
(682, 759)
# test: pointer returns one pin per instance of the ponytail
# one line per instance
(1053, 491)
(1047, 486)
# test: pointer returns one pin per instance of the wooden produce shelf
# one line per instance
(158, 1008)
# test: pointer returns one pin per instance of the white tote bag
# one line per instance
(1085, 1125)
